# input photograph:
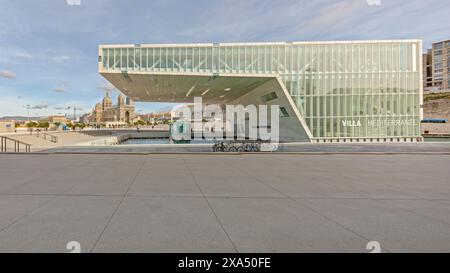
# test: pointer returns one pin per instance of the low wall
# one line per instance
(114, 140)
(107, 141)
(436, 128)
(149, 134)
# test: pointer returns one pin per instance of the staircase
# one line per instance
(18, 145)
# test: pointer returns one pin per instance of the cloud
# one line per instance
(7, 74)
(334, 20)
(332, 14)
(107, 87)
(40, 106)
(59, 58)
(13, 55)
(41, 52)
(59, 89)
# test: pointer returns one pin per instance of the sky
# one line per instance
(49, 48)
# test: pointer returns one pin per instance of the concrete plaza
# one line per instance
(224, 203)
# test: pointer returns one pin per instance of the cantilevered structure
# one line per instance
(346, 91)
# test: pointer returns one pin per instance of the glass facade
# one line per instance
(342, 89)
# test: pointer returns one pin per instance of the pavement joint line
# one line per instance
(60, 195)
(393, 187)
(336, 222)
(417, 213)
(311, 209)
(118, 205)
(27, 214)
(390, 187)
(224, 197)
(43, 175)
(54, 197)
(211, 208)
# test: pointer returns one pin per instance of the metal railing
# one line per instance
(53, 138)
(17, 144)
(45, 135)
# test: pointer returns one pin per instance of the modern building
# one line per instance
(437, 67)
(346, 91)
(106, 112)
(157, 117)
(57, 119)
(427, 70)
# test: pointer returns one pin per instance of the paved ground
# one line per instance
(224, 203)
(424, 147)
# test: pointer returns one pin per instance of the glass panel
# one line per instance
(144, 59)
(170, 57)
(137, 58)
(124, 59)
(130, 59)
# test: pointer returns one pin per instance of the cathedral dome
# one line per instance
(107, 102)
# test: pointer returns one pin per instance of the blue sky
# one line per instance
(48, 48)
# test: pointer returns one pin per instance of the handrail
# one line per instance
(53, 138)
(17, 143)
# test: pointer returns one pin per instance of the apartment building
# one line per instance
(436, 67)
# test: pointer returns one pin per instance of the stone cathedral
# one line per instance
(103, 112)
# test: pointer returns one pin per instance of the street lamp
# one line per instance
(28, 112)
(75, 113)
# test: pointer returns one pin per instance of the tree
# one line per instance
(32, 124)
(45, 124)
(139, 122)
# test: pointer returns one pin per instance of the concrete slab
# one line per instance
(233, 185)
(435, 210)
(64, 219)
(160, 224)
(104, 182)
(56, 182)
(281, 225)
(396, 229)
(15, 207)
(164, 184)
